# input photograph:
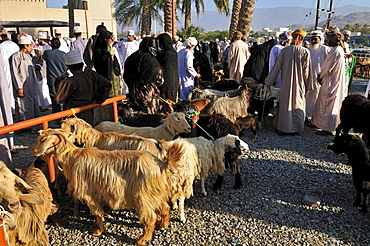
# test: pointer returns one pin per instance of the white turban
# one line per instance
(346, 32)
(190, 42)
(317, 34)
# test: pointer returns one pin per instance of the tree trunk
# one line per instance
(146, 19)
(187, 14)
(234, 17)
(168, 16)
(71, 17)
(245, 17)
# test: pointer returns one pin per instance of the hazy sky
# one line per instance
(209, 4)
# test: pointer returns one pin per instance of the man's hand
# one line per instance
(20, 93)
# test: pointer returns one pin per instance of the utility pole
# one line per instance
(329, 16)
(317, 14)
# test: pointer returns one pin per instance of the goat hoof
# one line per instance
(141, 241)
(97, 232)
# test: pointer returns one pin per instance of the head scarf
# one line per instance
(190, 42)
(148, 45)
(165, 41)
(317, 34)
(299, 32)
(334, 38)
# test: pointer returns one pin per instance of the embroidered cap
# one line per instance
(73, 57)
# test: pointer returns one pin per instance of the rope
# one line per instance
(193, 112)
(4, 213)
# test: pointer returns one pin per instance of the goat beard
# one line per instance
(314, 46)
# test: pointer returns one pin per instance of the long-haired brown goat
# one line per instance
(87, 136)
(120, 179)
(30, 203)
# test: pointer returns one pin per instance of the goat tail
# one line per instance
(174, 156)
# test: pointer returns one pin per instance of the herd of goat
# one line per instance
(150, 162)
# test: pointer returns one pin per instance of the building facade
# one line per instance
(36, 12)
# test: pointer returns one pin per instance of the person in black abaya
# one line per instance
(214, 51)
(143, 75)
(167, 57)
(206, 64)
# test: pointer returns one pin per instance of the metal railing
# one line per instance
(44, 122)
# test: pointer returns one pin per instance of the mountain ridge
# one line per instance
(296, 17)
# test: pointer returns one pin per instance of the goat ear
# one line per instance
(31, 198)
(174, 118)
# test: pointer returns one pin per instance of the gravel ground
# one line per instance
(277, 173)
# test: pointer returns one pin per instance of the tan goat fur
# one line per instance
(120, 179)
(174, 124)
(87, 136)
(201, 157)
(232, 107)
(31, 204)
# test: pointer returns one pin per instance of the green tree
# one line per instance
(129, 12)
(186, 6)
(362, 40)
(357, 27)
(365, 29)
(191, 31)
(348, 27)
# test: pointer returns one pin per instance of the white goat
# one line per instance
(201, 156)
(30, 204)
(120, 179)
(174, 124)
(231, 107)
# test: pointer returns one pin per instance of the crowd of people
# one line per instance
(36, 74)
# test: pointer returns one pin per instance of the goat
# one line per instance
(136, 118)
(358, 158)
(120, 179)
(215, 126)
(174, 124)
(246, 123)
(180, 181)
(30, 203)
(87, 136)
(210, 154)
(211, 93)
(354, 113)
(231, 108)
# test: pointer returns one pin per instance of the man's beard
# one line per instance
(314, 46)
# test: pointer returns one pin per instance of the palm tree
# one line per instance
(136, 11)
(245, 17)
(348, 27)
(234, 17)
(71, 17)
(191, 31)
(168, 17)
(221, 5)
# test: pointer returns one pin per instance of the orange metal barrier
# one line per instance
(44, 121)
(3, 241)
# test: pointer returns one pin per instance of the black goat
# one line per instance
(138, 119)
(358, 158)
(355, 113)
